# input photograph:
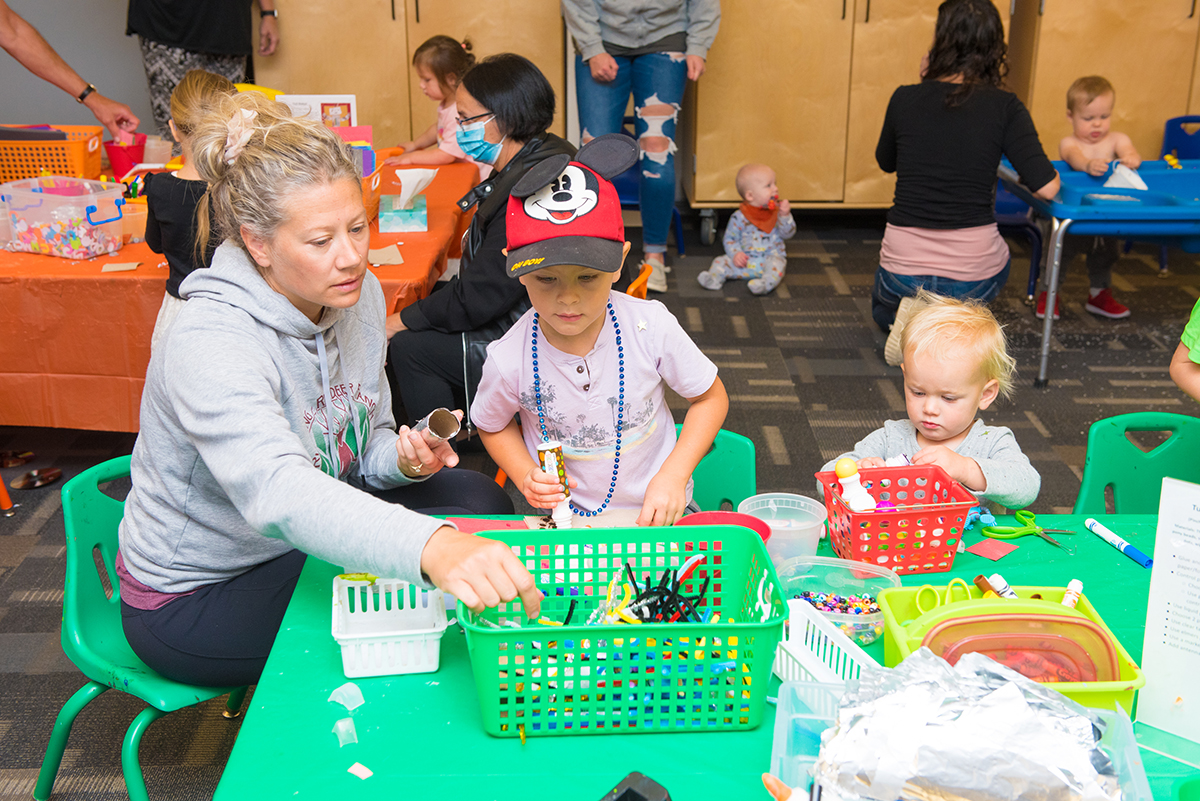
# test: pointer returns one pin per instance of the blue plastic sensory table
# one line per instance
(1168, 213)
(422, 735)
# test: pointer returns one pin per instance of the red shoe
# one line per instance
(1105, 305)
(1040, 312)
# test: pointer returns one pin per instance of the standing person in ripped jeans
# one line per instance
(652, 49)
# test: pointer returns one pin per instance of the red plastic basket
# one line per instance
(920, 536)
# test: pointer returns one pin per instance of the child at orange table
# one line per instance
(956, 364)
(440, 63)
(1091, 148)
(587, 366)
(753, 239)
(1185, 363)
(172, 198)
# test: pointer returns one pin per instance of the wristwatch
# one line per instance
(274, 12)
(83, 95)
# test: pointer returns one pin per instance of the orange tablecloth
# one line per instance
(75, 342)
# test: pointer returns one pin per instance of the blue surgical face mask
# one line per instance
(470, 139)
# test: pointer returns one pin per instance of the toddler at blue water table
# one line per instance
(587, 366)
(753, 240)
(956, 364)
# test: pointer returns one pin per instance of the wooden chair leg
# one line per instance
(58, 737)
(135, 783)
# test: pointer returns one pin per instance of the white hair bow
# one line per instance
(240, 132)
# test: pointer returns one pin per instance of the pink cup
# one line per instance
(727, 519)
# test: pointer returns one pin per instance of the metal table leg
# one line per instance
(1058, 230)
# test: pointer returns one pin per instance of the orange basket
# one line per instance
(920, 535)
(76, 157)
(372, 187)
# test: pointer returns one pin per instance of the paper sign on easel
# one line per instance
(406, 212)
(1170, 701)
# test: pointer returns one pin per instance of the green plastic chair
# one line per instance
(1134, 475)
(726, 474)
(92, 636)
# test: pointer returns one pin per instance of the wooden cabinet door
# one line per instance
(775, 91)
(531, 28)
(1145, 48)
(344, 47)
(890, 38)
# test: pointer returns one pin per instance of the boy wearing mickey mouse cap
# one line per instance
(587, 366)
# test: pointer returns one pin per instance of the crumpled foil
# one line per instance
(977, 730)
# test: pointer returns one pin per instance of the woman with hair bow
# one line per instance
(266, 423)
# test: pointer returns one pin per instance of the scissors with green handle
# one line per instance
(1027, 525)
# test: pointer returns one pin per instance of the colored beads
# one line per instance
(841, 604)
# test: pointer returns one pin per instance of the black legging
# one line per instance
(220, 635)
(429, 371)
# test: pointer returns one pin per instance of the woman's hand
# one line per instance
(420, 454)
(603, 67)
(268, 36)
(393, 325)
(666, 499)
(542, 490)
(479, 572)
(695, 68)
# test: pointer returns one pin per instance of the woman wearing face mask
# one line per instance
(438, 344)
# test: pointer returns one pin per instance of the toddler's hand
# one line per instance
(962, 469)
(1097, 167)
(665, 501)
(871, 461)
(1132, 162)
(785, 208)
(543, 490)
(397, 161)
(740, 260)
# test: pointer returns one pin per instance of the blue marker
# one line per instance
(1121, 545)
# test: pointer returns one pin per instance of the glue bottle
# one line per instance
(550, 455)
(853, 492)
(1071, 597)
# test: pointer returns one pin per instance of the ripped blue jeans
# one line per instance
(657, 81)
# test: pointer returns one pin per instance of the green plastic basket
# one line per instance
(628, 679)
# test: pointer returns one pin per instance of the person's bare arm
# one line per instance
(1126, 153)
(1050, 190)
(268, 30)
(1185, 372)
(22, 41)
(1071, 152)
(432, 156)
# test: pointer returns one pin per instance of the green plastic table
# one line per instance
(422, 736)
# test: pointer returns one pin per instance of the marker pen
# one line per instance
(1121, 545)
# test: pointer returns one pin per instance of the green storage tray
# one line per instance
(652, 677)
(905, 628)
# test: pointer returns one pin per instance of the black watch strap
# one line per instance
(274, 12)
(83, 95)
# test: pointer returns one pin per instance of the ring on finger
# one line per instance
(416, 468)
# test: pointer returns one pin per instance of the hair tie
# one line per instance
(239, 133)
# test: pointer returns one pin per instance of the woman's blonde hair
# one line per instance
(941, 325)
(194, 97)
(253, 154)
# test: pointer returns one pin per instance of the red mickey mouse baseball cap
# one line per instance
(568, 212)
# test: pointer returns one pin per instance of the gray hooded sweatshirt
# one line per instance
(235, 464)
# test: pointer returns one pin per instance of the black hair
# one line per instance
(513, 89)
(968, 41)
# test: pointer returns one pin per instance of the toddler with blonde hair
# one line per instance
(956, 364)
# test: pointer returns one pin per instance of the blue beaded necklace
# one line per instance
(537, 394)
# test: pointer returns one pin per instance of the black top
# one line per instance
(945, 159)
(482, 292)
(171, 224)
(220, 27)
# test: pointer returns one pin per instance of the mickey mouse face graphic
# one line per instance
(572, 194)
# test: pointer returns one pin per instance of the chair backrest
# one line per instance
(1135, 475)
(726, 474)
(1177, 140)
(638, 287)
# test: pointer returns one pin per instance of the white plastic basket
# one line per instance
(388, 627)
(816, 650)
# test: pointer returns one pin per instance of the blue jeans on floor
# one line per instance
(891, 288)
(602, 111)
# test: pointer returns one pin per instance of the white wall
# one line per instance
(90, 36)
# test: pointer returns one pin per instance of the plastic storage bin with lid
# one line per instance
(69, 217)
(796, 522)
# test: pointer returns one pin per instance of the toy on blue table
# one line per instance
(853, 493)
(980, 515)
(1172, 161)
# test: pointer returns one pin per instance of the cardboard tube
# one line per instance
(442, 424)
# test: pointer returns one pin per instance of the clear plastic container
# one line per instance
(841, 577)
(804, 711)
(73, 218)
(797, 523)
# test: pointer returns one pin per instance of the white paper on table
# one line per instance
(1170, 701)
(1124, 178)
(412, 183)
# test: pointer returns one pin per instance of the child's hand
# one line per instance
(962, 469)
(740, 260)
(1097, 167)
(1132, 162)
(666, 499)
(871, 461)
(542, 490)
(785, 208)
(397, 161)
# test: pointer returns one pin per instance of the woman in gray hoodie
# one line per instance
(266, 420)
